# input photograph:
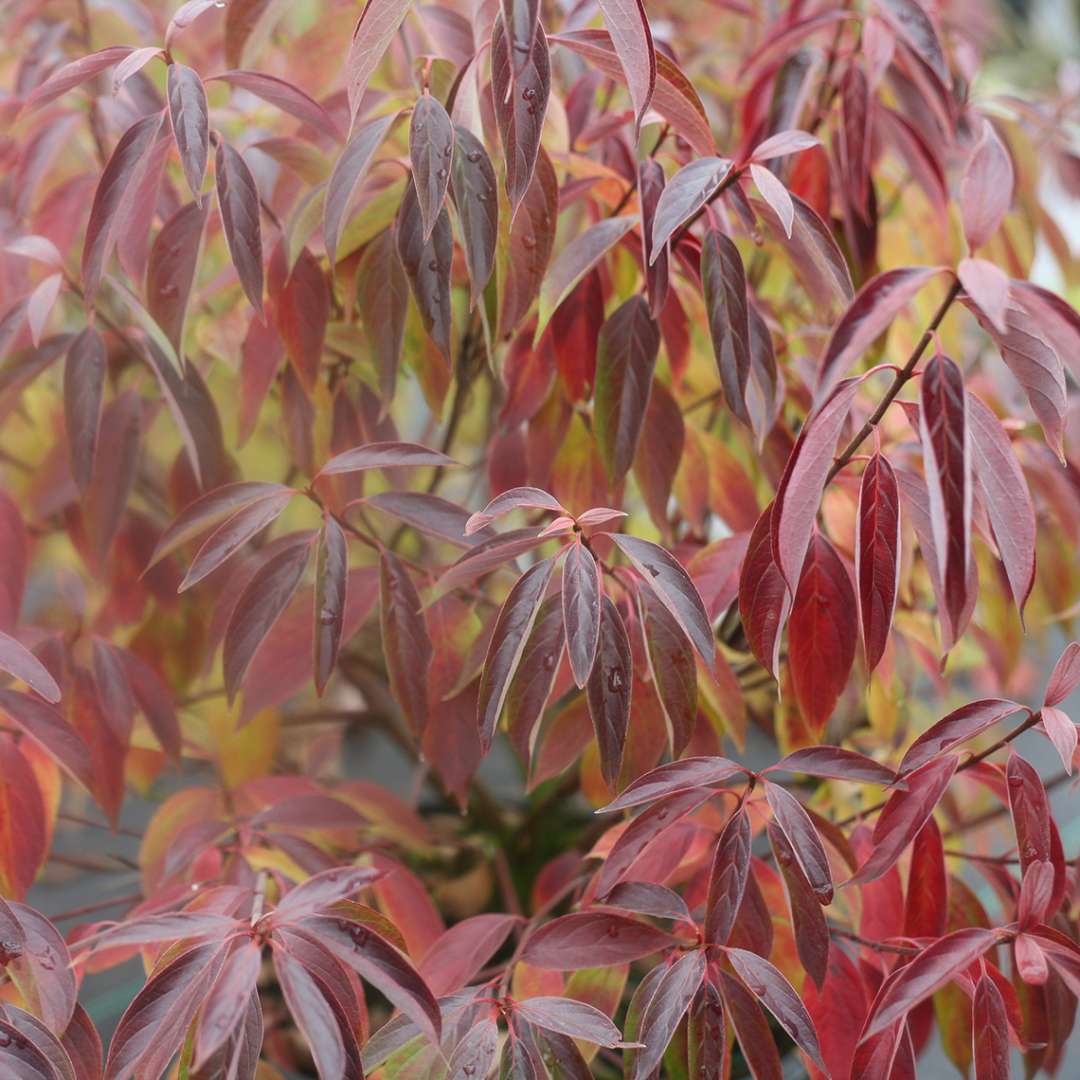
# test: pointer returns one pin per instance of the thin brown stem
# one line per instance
(98, 905)
(877, 946)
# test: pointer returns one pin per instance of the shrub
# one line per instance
(647, 433)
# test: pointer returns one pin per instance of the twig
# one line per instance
(877, 946)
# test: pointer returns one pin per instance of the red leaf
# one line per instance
(405, 641)
(838, 1010)
(651, 184)
(384, 455)
(1036, 893)
(784, 142)
(686, 774)
(51, 732)
(904, 815)
(648, 898)
(24, 839)
(912, 22)
(931, 969)
(835, 763)
(113, 689)
(512, 628)
(764, 598)
(287, 97)
(260, 604)
(673, 669)
(751, 1029)
(990, 1029)
(609, 690)
(1065, 677)
(431, 152)
(958, 727)
(625, 360)
(628, 26)
(685, 194)
(520, 19)
(1030, 809)
(427, 261)
(378, 23)
(475, 1054)
(171, 269)
(988, 287)
(456, 957)
(300, 302)
(801, 834)
(73, 74)
(581, 592)
(226, 1000)
(84, 386)
(667, 1006)
(568, 1017)
(189, 114)
(331, 583)
(877, 555)
(727, 878)
(535, 675)
(591, 939)
(927, 903)
(322, 890)
(946, 440)
(19, 661)
(986, 188)
(723, 283)
(822, 633)
(1062, 733)
(238, 200)
(475, 192)
(776, 195)
(807, 919)
(519, 498)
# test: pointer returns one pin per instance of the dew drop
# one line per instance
(469, 1070)
(448, 150)
(784, 859)
(169, 291)
(528, 242)
(615, 680)
(433, 265)
(475, 156)
(613, 931)
(1016, 781)
(9, 950)
(327, 617)
(442, 174)
(549, 661)
(528, 93)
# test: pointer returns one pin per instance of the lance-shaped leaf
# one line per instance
(1062, 733)
(672, 585)
(628, 26)
(568, 1017)
(300, 303)
(120, 176)
(19, 661)
(926, 903)
(287, 97)
(508, 640)
(776, 195)
(651, 184)
(40, 304)
(68, 76)
(115, 466)
(260, 605)
(520, 18)
(346, 176)
(666, 1008)
(170, 271)
(474, 188)
(520, 105)
(456, 957)
(946, 441)
(1065, 677)
(378, 23)
(904, 815)
(475, 1053)
(431, 151)
(803, 483)
(322, 890)
(575, 260)
(427, 262)
(990, 1031)
(777, 995)
(877, 555)
(988, 288)
(383, 302)
(380, 964)
(384, 455)
(807, 918)
(592, 939)
(790, 815)
(751, 1028)
(223, 1009)
(1030, 810)
(822, 633)
(331, 580)
(84, 387)
(535, 675)
(685, 774)
(723, 282)
(581, 592)
(727, 878)
(835, 763)
(958, 727)
(626, 358)
(114, 691)
(672, 667)
(986, 187)
(189, 114)
(518, 498)
(928, 971)
(685, 194)
(609, 689)
(1006, 497)
(764, 598)
(406, 644)
(872, 310)
(238, 200)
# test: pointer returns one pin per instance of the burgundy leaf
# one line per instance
(764, 598)
(378, 23)
(609, 689)
(591, 939)
(986, 187)
(84, 388)
(672, 667)
(455, 958)
(406, 645)
(51, 732)
(519, 498)
(581, 592)
(1065, 677)
(73, 74)
(776, 195)
(431, 151)
(535, 676)
(384, 455)
(238, 200)
(911, 20)
(877, 555)
(667, 1006)
(647, 898)
(287, 97)
(651, 184)
(427, 260)
(170, 271)
(990, 1029)
(833, 762)
(751, 1029)
(988, 286)
(322, 890)
(958, 727)
(223, 1009)
(1062, 733)
(189, 114)
(631, 36)
(19, 661)
(474, 188)
(1030, 809)
(807, 919)
(568, 1017)
(723, 283)
(727, 878)
(926, 905)
(113, 689)
(331, 581)
(794, 821)
(475, 1054)
(685, 194)
(673, 777)
(486, 556)
(383, 303)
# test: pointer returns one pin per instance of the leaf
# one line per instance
(259, 606)
(519, 498)
(628, 25)
(776, 994)
(238, 200)
(626, 357)
(226, 1000)
(1065, 677)
(833, 762)
(462, 951)
(807, 919)
(287, 97)
(674, 96)
(322, 890)
(905, 813)
(764, 598)
(189, 114)
(535, 675)
(73, 74)
(673, 670)
(674, 588)
(378, 23)
(1030, 810)
(520, 105)
(300, 303)
(869, 314)
(119, 177)
(646, 898)
(803, 483)
(383, 301)
(685, 194)
(380, 964)
(931, 969)
(520, 18)
(475, 1054)
(19, 661)
(405, 641)
(927, 900)
(776, 195)
(784, 142)
(685, 774)
(115, 465)
(946, 441)
(797, 826)
(609, 690)
(651, 184)
(989, 1025)
(988, 287)
(667, 1006)
(581, 593)
(822, 633)
(723, 283)
(427, 263)
(751, 1029)
(591, 939)
(877, 556)
(913, 23)
(170, 271)
(958, 727)
(474, 188)
(114, 692)
(1062, 733)
(727, 878)
(575, 260)
(40, 304)
(331, 578)
(986, 188)
(565, 1016)
(431, 152)
(384, 455)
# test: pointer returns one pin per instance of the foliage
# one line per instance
(657, 402)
